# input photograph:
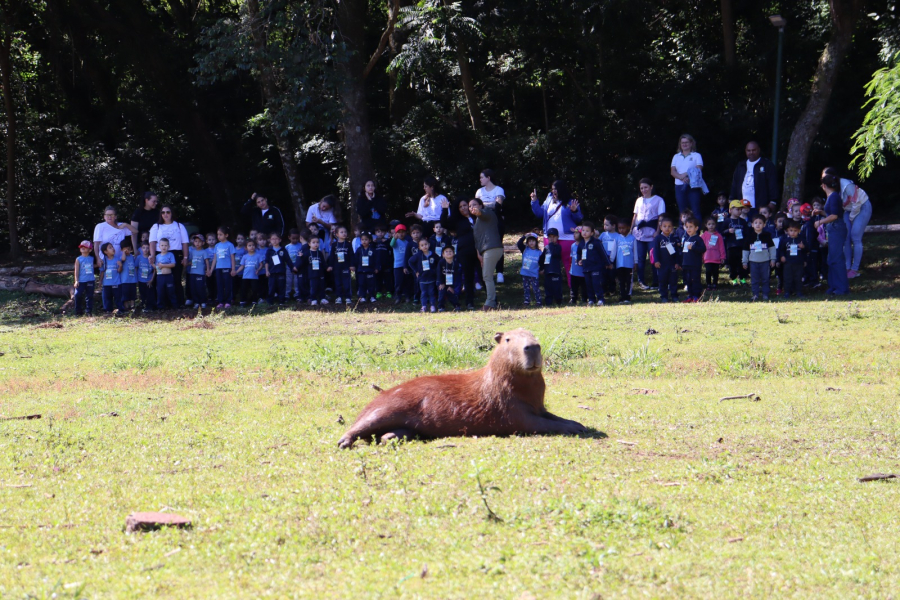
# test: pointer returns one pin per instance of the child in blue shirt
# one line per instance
(625, 251)
(111, 269)
(223, 266)
(576, 273)
(211, 240)
(199, 266)
(292, 283)
(84, 280)
(341, 265)
(551, 265)
(165, 280)
(593, 260)
(367, 268)
(248, 270)
(439, 240)
(400, 246)
(531, 265)
(129, 275)
(316, 271)
(424, 264)
(693, 248)
(609, 238)
(146, 275)
(667, 254)
(450, 279)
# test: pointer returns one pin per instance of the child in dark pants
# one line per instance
(340, 264)
(734, 229)
(693, 250)
(84, 280)
(450, 278)
(625, 252)
(129, 275)
(667, 253)
(384, 279)
(592, 258)
(715, 253)
(791, 256)
(576, 273)
(551, 265)
(248, 270)
(530, 271)
(223, 266)
(424, 264)
(210, 276)
(111, 269)
(367, 268)
(316, 272)
(145, 277)
(165, 280)
(277, 261)
(759, 257)
(198, 266)
(609, 239)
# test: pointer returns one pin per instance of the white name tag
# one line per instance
(365, 260)
(340, 256)
(738, 234)
(670, 248)
(547, 259)
(721, 217)
(527, 264)
(584, 254)
(626, 251)
(145, 272)
(757, 246)
(793, 249)
(449, 278)
(611, 247)
(713, 239)
(426, 266)
(109, 274)
(687, 246)
(315, 264)
(776, 241)
(275, 260)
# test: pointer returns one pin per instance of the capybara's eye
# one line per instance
(507, 340)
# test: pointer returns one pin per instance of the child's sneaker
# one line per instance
(440, 310)
(188, 302)
(735, 282)
(663, 300)
(499, 277)
(378, 295)
(362, 300)
(389, 295)
(477, 286)
(527, 304)
(313, 302)
(347, 301)
(743, 282)
(599, 303)
(643, 285)
(590, 303)
(227, 306)
(372, 300)
(754, 298)
(422, 309)
(625, 302)
(324, 301)
(203, 305)
(220, 306)
(338, 300)
(851, 274)
(433, 309)
(765, 297)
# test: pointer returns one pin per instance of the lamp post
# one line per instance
(779, 22)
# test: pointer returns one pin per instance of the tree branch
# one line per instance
(393, 15)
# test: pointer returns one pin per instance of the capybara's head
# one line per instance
(520, 350)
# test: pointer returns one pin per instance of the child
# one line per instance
(551, 265)
(770, 223)
(277, 261)
(341, 265)
(693, 249)
(146, 275)
(292, 284)
(129, 275)
(223, 265)
(424, 264)
(791, 256)
(301, 267)
(715, 252)
(608, 238)
(680, 230)
(531, 264)
(593, 260)
(199, 265)
(211, 251)
(576, 273)
(248, 270)
(625, 250)
(449, 279)
(112, 269)
(400, 246)
(416, 232)
(667, 254)
(746, 207)
(779, 236)
(165, 280)
(316, 272)
(759, 256)
(384, 280)
(734, 231)
(367, 268)
(439, 240)
(721, 213)
(810, 239)
(357, 239)
(84, 280)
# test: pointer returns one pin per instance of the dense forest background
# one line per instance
(205, 102)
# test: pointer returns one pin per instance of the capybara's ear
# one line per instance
(498, 336)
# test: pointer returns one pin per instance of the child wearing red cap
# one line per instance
(84, 280)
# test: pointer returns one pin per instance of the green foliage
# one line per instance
(880, 131)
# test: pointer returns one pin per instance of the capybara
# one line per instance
(503, 398)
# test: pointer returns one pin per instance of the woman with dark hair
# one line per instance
(836, 231)
(857, 212)
(429, 210)
(489, 245)
(371, 207)
(493, 196)
(326, 213)
(461, 222)
(170, 229)
(145, 217)
(648, 208)
(560, 212)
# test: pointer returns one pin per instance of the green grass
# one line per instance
(233, 421)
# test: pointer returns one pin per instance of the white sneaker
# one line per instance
(313, 302)
(348, 301)
(478, 286)
(338, 300)
(188, 302)
(373, 300)
(324, 301)
(423, 309)
(361, 300)
(590, 303)
(433, 309)
(499, 277)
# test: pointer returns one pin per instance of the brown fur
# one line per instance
(503, 398)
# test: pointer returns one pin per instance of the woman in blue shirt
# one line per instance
(836, 230)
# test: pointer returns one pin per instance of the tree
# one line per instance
(880, 130)
(7, 33)
(844, 15)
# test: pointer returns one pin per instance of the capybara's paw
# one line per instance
(345, 443)
(573, 427)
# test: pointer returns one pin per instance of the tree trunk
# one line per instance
(728, 32)
(844, 15)
(351, 19)
(270, 92)
(9, 106)
(401, 99)
(33, 286)
(465, 74)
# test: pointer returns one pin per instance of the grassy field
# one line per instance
(233, 421)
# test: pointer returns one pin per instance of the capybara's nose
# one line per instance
(533, 348)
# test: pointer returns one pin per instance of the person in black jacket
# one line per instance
(755, 179)
(551, 265)
(667, 257)
(371, 208)
(462, 223)
(263, 218)
(449, 279)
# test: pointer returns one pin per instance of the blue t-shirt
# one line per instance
(610, 244)
(166, 260)
(531, 261)
(239, 253)
(110, 271)
(293, 251)
(144, 269)
(224, 252)
(399, 247)
(575, 270)
(251, 263)
(624, 251)
(86, 269)
(198, 260)
(129, 270)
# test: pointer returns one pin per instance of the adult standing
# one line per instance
(686, 159)
(489, 244)
(493, 197)
(264, 217)
(561, 212)
(170, 229)
(836, 232)
(110, 230)
(324, 213)
(755, 179)
(145, 217)
(462, 223)
(371, 207)
(648, 208)
(429, 209)
(857, 212)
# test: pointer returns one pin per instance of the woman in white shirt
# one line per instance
(645, 225)
(493, 196)
(110, 230)
(325, 213)
(429, 210)
(170, 229)
(687, 157)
